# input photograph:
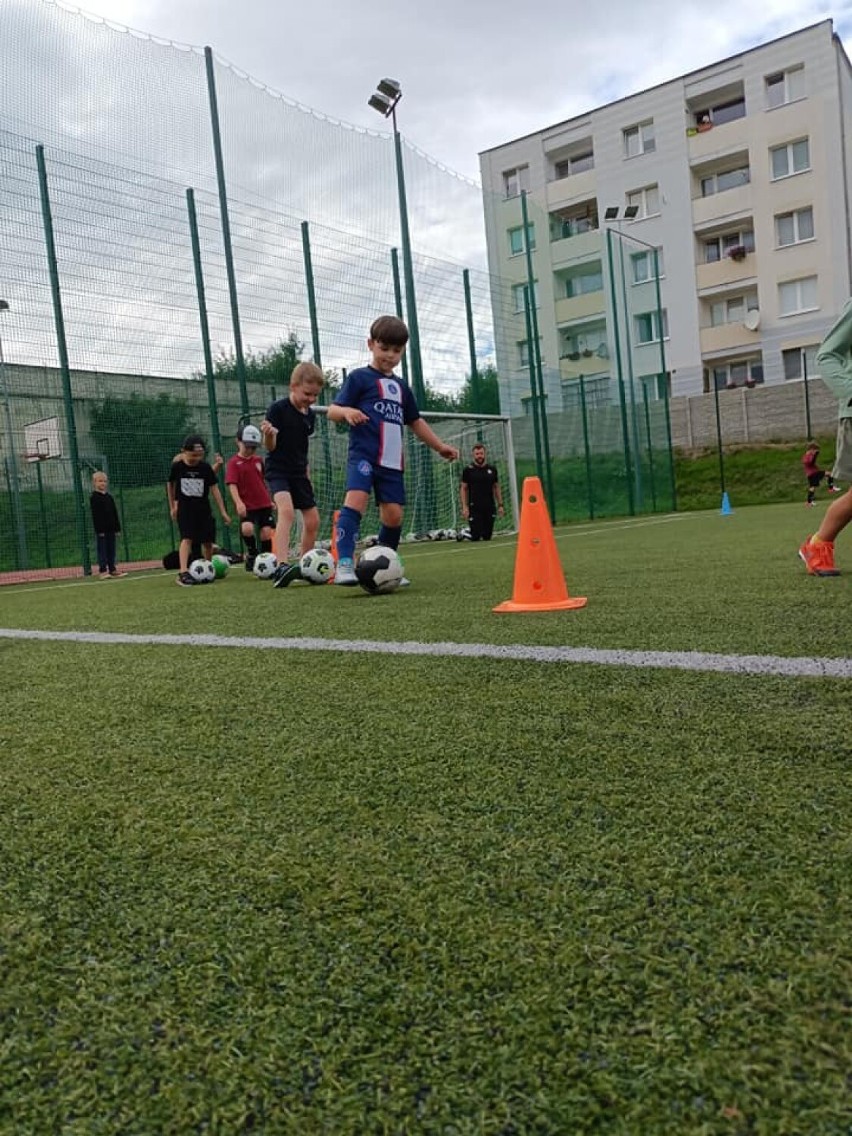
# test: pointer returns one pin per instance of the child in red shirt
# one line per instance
(245, 482)
(814, 474)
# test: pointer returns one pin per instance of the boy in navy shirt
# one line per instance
(377, 405)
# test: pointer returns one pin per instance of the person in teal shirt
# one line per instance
(834, 364)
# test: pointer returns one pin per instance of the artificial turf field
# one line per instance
(257, 888)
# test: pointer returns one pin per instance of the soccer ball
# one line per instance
(202, 572)
(220, 566)
(379, 570)
(317, 566)
(265, 565)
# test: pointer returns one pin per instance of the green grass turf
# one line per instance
(304, 892)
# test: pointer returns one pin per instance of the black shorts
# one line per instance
(196, 525)
(815, 479)
(261, 517)
(297, 485)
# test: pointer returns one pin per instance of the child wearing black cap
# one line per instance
(191, 484)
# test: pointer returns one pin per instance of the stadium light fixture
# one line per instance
(384, 100)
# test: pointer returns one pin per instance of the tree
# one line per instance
(270, 368)
(139, 436)
(489, 393)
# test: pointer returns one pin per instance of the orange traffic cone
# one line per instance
(539, 579)
(335, 517)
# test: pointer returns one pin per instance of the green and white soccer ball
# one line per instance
(317, 566)
(202, 572)
(265, 565)
(379, 570)
(221, 564)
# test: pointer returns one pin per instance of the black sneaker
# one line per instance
(185, 580)
(249, 563)
(285, 574)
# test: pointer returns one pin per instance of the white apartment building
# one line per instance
(740, 174)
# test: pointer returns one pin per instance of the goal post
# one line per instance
(433, 504)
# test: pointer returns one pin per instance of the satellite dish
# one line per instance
(752, 320)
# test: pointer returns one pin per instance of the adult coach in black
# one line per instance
(480, 493)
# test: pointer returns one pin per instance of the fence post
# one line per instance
(807, 395)
(719, 438)
(62, 348)
(239, 358)
(475, 392)
(650, 447)
(535, 352)
(584, 410)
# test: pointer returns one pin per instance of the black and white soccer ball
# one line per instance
(265, 565)
(202, 572)
(379, 570)
(317, 566)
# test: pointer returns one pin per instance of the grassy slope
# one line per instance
(517, 899)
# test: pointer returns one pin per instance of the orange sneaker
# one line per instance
(818, 557)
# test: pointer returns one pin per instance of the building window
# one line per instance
(743, 373)
(793, 158)
(639, 139)
(578, 164)
(646, 200)
(796, 296)
(524, 352)
(516, 239)
(792, 360)
(642, 266)
(518, 296)
(647, 326)
(792, 228)
(716, 248)
(595, 388)
(721, 113)
(785, 87)
(725, 179)
(515, 181)
(732, 310)
(584, 283)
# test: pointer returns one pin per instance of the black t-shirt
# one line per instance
(480, 481)
(104, 513)
(290, 456)
(192, 484)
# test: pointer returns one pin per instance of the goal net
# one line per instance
(433, 505)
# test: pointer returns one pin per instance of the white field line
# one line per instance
(666, 660)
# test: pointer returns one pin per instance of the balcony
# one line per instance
(718, 273)
(580, 247)
(727, 337)
(730, 203)
(570, 309)
(568, 190)
(706, 145)
(589, 368)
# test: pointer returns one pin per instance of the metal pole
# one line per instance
(239, 358)
(315, 341)
(586, 449)
(205, 340)
(14, 480)
(719, 437)
(397, 299)
(617, 340)
(64, 369)
(535, 350)
(650, 446)
(533, 391)
(408, 271)
(634, 425)
(43, 515)
(471, 343)
(807, 395)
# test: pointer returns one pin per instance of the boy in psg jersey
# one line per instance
(244, 479)
(377, 405)
(286, 431)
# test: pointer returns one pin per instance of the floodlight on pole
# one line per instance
(384, 100)
(12, 459)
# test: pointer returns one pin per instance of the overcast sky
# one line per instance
(475, 73)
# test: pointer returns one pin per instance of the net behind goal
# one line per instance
(433, 508)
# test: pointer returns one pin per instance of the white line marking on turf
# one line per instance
(666, 660)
